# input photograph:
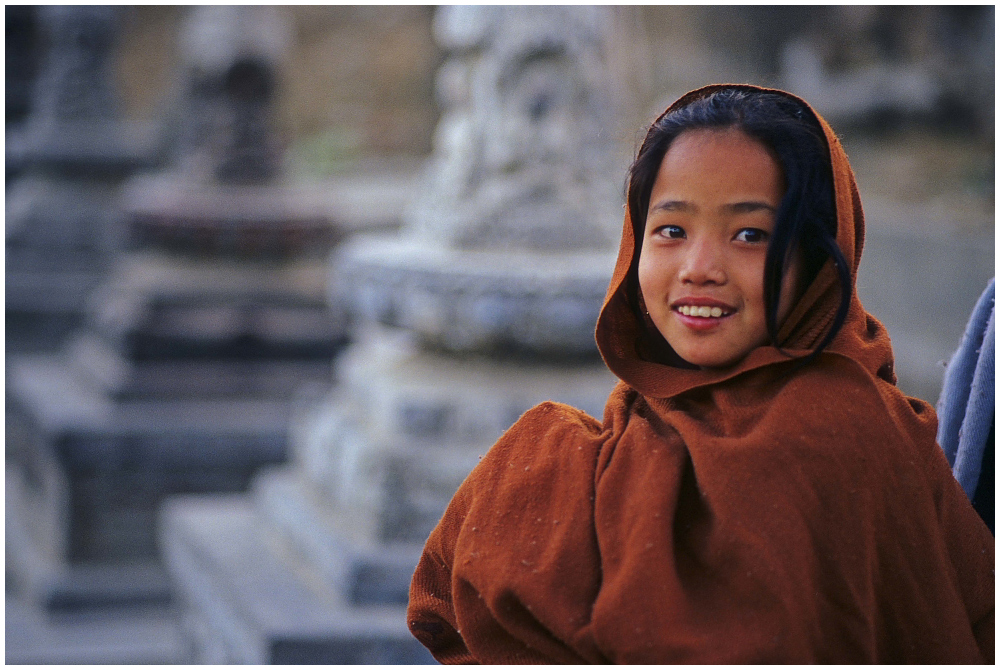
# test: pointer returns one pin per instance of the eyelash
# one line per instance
(757, 231)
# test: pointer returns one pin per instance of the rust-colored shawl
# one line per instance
(747, 515)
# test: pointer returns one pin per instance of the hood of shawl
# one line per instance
(861, 338)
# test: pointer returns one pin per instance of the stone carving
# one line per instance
(482, 307)
(522, 151)
(511, 247)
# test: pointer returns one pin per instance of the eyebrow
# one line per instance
(750, 206)
(672, 206)
(742, 207)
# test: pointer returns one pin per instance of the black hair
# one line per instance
(807, 216)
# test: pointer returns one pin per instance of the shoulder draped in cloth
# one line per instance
(967, 407)
(764, 513)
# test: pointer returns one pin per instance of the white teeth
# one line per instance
(703, 311)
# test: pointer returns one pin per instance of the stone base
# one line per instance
(256, 220)
(360, 570)
(62, 220)
(246, 599)
(404, 427)
(44, 581)
(162, 307)
(39, 291)
(91, 146)
(59, 239)
(44, 304)
(315, 565)
(90, 473)
(494, 302)
(34, 637)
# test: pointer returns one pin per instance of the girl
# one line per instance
(759, 491)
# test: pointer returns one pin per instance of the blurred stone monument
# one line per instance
(184, 376)
(70, 153)
(482, 307)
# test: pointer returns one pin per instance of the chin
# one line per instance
(711, 360)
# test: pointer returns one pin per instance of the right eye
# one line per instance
(672, 232)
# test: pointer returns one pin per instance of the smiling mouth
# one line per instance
(703, 311)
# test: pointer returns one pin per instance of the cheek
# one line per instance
(653, 273)
(645, 272)
(748, 276)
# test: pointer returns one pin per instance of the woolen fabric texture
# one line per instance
(763, 513)
(966, 407)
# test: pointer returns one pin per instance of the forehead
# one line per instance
(719, 155)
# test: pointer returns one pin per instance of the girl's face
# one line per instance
(701, 267)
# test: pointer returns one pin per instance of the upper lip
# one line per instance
(697, 301)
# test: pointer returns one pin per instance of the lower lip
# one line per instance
(701, 323)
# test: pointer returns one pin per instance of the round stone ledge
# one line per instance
(174, 212)
(492, 301)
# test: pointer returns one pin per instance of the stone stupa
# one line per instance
(185, 374)
(482, 307)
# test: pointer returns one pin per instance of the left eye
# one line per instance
(752, 235)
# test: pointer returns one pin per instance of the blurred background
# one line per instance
(277, 276)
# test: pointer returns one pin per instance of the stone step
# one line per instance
(92, 471)
(247, 599)
(335, 542)
(124, 636)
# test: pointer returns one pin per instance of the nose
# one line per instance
(702, 263)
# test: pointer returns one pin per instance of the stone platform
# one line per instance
(404, 426)
(341, 528)
(183, 381)
(35, 637)
(244, 605)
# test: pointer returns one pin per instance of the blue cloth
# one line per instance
(966, 407)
